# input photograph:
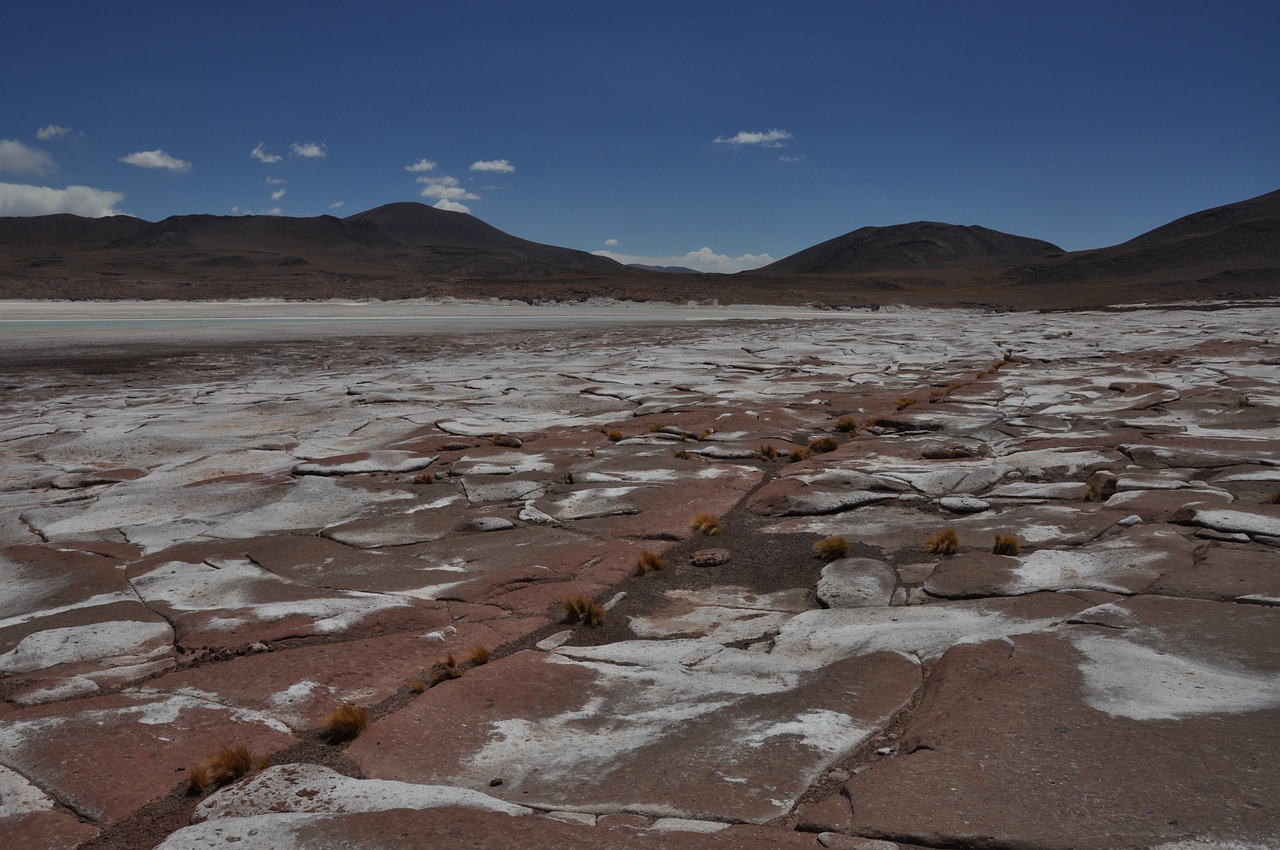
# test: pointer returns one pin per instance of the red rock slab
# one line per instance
(46, 831)
(664, 512)
(301, 687)
(43, 576)
(237, 603)
(1006, 754)
(1162, 505)
(319, 561)
(456, 827)
(1226, 572)
(104, 757)
(613, 738)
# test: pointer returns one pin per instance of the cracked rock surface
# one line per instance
(223, 545)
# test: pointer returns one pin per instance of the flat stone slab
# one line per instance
(856, 583)
(364, 463)
(1259, 522)
(657, 734)
(144, 742)
(1010, 727)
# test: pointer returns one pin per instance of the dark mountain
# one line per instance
(396, 241)
(1237, 242)
(910, 247)
(64, 232)
(664, 269)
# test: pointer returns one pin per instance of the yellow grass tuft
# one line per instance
(906, 401)
(614, 436)
(444, 669)
(705, 432)
(225, 766)
(579, 609)
(847, 425)
(945, 542)
(648, 562)
(424, 478)
(768, 452)
(655, 427)
(831, 548)
(797, 455)
(478, 655)
(707, 524)
(1275, 498)
(1006, 544)
(822, 445)
(418, 686)
(345, 724)
(681, 454)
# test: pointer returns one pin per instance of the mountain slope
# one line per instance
(904, 247)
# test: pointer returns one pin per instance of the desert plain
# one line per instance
(222, 524)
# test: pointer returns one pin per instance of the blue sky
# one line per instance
(713, 134)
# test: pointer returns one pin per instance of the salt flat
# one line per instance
(221, 522)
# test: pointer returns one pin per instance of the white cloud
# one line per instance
(767, 139)
(51, 131)
(22, 199)
(275, 181)
(17, 158)
(336, 205)
(612, 243)
(156, 159)
(703, 260)
(308, 150)
(260, 154)
(278, 194)
(422, 165)
(451, 206)
(273, 211)
(445, 189)
(499, 165)
(795, 158)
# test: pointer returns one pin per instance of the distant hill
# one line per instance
(910, 247)
(1234, 243)
(396, 241)
(664, 269)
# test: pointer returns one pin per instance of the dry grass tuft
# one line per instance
(345, 724)
(945, 542)
(831, 548)
(1243, 401)
(424, 478)
(655, 427)
(579, 609)
(648, 562)
(906, 401)
(682, 454)
(768, 452)
(1094, 492)
(822, 445)
(705, 432)
(418, 686)
(847, 425)
(225, 766)
(707, 524)
(444, 669)
(1275, 498)
(797, 455)
(478, 655)
(1006, 544)
(614, 436)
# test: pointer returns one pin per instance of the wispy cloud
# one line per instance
(703, 260)
(274, 181)
(445, 189)
(308, 150)
(51, 131)
(17, 158)
(23, 199)
(278, 194)
(336, 205)
(498, 165)
(766, 139)
(612, 243)
(260, 154)
(156, 159)
(451, 205)
(796, 158)
(422, 165)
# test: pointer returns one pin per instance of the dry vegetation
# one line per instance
(579, 609)
(478, 655)
(831, 548)
(444, 669)
(345, 724)
(945, 542)
(707, 524)
(225, 766)
(1006, 544)
(648, 562)
(822, 445)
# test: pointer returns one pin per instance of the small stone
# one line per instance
(709, 557)
(1132, 519)
(507, 441)
(494, 783)
(839, 775)
(259, 647)
(963, 504)
(558, 639)
(490, 523)
(885, 751)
